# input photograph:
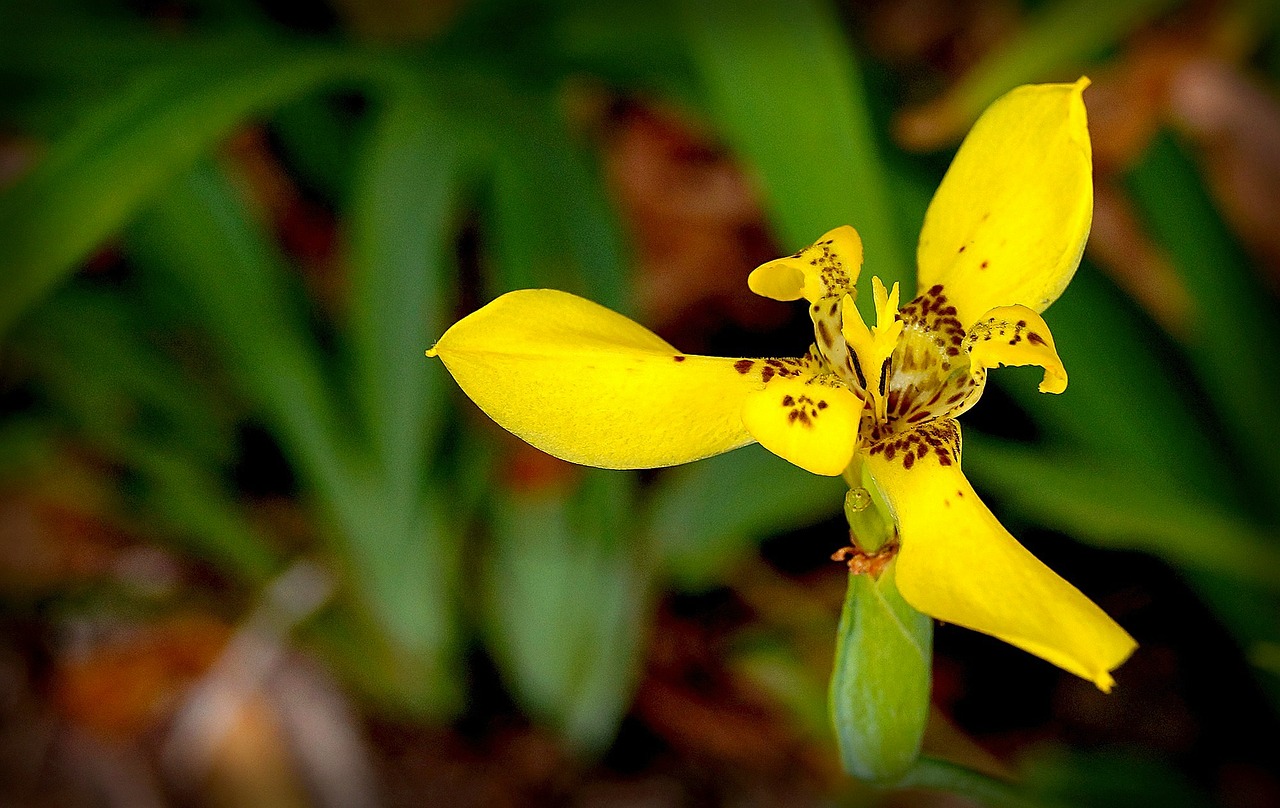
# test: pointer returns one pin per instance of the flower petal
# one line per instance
(812, 422)
(1009, 222)
(958, 563)
(827, 268)
(1016, 335)
(587, 385)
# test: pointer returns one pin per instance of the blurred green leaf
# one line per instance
(1108, 780)
(551, 225)
(1234, 316)
(704, 516)
(628, 43)
(1113, 505)
(402, 562)
(938, 775)
(93, 354)
(195, 510)
(880, 681)
(97, 174)
(402, 223)
(147, 413)
(786, 92)
(1125, 399)
(565, 605)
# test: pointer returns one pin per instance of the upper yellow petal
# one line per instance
(1016, 335)
(1010, 220)
(590, 386)
(827, 268)
(958, 563)
(812, 422)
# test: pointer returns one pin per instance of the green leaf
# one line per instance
(1105, 779)
(192, 507)
(703, 517)
(1125, 399)
(142, 410)
(124, 149)
(565, 604)
(1234, 316)
(92, 353)
(786, 93)
(1107, 504)
(551, 224)
(938, 775)
(402, 272)
(403, 563)
(879, 696)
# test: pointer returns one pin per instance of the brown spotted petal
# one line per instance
(827, 268)
(590, 386)
(811, 421)
(1016, 335)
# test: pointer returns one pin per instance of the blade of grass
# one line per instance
(786, 93)
(146, 413)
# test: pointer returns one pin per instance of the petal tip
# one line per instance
(777, 280)
(1053, 383)
(433, 351)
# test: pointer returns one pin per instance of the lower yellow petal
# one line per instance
(1016, 335)
(590, 386)
(812, 422)
(958, 564)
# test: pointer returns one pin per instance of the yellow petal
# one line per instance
(826, 268)
(1016, 335)
(958, 564)
(812, 422)
(587, 385)
(1009, 222)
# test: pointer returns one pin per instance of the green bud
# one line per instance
(879, 696)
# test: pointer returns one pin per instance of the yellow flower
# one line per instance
(1001, 239)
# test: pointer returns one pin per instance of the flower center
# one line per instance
(928, 375)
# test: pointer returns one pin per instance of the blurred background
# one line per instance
(256, 550)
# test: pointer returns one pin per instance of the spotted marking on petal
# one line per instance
(938, 440)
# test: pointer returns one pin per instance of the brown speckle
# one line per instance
(1035, 339)
(787, 401)
(678, 358)
(743, 365)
